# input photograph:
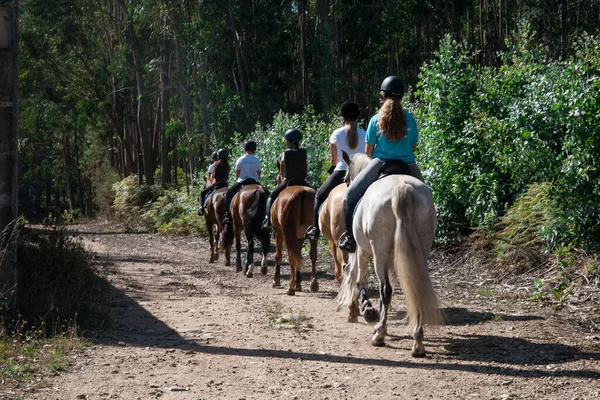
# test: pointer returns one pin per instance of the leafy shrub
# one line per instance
(269, 139)
(175, 212)
(489, 133)
(57, 278)
(132, 201)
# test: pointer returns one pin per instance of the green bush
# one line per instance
(488, 133)
(57, 279)
(269, 139)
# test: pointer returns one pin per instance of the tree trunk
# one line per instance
(142, 119)
(184, 94)
(325, 47)
(302, 23)
(9, 32)
(66, 152)
(165, 98)
(238, 48)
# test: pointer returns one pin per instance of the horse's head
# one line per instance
(356, 163)
(279, 173)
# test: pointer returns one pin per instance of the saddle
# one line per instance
(393, 167)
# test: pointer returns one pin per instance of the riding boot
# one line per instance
(227, 218)
(313, 231)
(348, 244)
(266, 224)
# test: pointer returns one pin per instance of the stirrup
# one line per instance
(312, 233)
(201, 211)
(348, 244)
(266, 225)
(227, 219)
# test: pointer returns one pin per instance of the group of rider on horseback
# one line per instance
(390, 141)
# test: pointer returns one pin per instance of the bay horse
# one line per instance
(331, 224)
(395, 222)
(247, 213)
(214, 211)
(291, 214)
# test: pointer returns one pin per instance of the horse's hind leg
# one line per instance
(296, 283)
(369, 312)
(211, 241)
(418, 349)
(249, 257)
(314, 283)
(278, 256)
(265, 242)
(385, 295)
(238, 249)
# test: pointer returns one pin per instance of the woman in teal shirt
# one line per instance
(392, 136)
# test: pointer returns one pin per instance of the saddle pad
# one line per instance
(233, 198)
(208, 196)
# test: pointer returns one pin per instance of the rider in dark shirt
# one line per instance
(220, 177)
(294, 165)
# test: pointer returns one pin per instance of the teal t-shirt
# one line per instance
(400, 150)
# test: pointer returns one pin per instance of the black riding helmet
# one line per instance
(350, 111)
(215, 156)
(392, 86)
(293, 136)
(223, 154)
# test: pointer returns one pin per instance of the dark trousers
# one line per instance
(278, 189)
(210, 189)
(234, 189)
(336, 177)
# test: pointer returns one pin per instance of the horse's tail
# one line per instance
(291, 216)
(410, 261)
(226, 239)
(255, 214)
(349, 289)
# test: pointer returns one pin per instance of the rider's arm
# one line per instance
(237, 174)
(414, 147)
(369, 149)
(334, 156)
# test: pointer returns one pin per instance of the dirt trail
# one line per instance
(185, 329)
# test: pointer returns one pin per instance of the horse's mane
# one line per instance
(358, 162)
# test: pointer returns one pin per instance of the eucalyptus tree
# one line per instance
(8, 151)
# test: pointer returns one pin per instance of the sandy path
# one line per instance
(185, 329)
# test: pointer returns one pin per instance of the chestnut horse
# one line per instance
(291, 214)
(214, 211)
(247, 213)
(331, 223)
(395, 222)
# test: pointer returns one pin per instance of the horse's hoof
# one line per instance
(371, 315)
(238, 268)
(228, 263)
(353, 319)
(249, 274)
(264, 270)
(378, 341)
(291, 292)
(276, 284)
(212, 260)
(298, 288)
(418, 351)
(314, 286)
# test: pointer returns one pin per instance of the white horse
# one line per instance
(395, 222)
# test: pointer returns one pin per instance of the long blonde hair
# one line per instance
(351, 133)
(391, 122)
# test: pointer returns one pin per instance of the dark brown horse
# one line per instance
(291, 215)
(247, 213)
(213, 215)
